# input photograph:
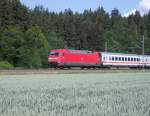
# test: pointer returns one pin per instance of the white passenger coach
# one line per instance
(127, 60)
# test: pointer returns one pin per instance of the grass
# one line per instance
(113, 94)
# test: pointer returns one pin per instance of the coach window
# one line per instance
(131, 59)
(104, 58)
(125, 59)
(112, 58)
(128, 59)
(109, 58)
(119, 58)
(116, 58)
(134, 59)
(122, 58)
(139, 59)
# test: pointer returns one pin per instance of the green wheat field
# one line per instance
(112, 94)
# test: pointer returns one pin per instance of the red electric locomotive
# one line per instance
(74, 58)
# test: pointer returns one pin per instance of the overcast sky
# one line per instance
(125, 6)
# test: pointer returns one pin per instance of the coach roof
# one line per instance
(123, 54)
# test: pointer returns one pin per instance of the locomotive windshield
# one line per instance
(54, 53)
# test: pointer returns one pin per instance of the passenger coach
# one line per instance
(125, 60)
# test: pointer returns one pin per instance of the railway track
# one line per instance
(67, 71)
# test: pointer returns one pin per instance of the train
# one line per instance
(65, 58)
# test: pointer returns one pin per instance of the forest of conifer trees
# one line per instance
(27, 35)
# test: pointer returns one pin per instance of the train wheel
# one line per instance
(94, 67)
(88, 67)
(61, 67)
(69, 67)
(82, 68)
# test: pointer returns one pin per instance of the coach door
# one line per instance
(100, 58)
(143, 61)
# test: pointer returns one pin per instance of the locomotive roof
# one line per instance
(74, 51)
(80, 51)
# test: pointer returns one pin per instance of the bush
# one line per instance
(5, 65)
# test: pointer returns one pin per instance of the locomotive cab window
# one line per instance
(54, 53)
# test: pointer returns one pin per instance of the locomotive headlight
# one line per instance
(52, 58)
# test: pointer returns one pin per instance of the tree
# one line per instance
(12, 12)
(55, 42)
(137, 19)
(36, 42)
(147, 33)
(115, 17)
(11, 43)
